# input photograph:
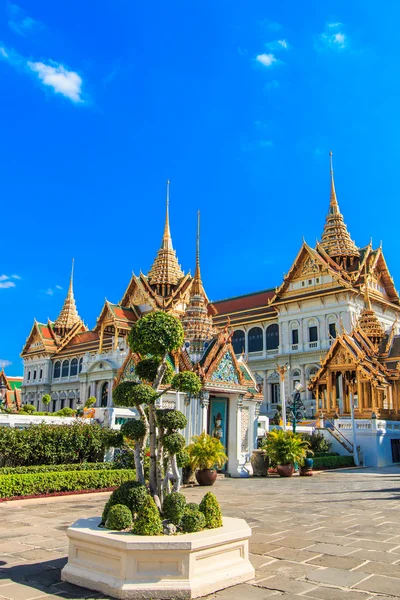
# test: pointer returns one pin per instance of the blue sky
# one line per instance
(237, 103)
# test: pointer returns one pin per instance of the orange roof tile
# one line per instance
(238, 303)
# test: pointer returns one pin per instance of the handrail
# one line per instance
(340, 433)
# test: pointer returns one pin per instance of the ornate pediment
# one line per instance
(341, 357)
(308, 266)
(226, 371)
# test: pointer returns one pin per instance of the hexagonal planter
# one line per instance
(190, 565)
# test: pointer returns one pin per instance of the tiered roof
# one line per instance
(13, 390)
(68, 316)
(336, 240)
(165, 271)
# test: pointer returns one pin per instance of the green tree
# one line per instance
(90, 402)
(46, 399)
(153, 338)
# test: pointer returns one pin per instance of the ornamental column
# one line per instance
(265, 391)
(282, 371)
(239, 407)
(204, 404)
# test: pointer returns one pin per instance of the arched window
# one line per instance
(312, 331)
(272, 335)
(80, 365)
(29, 375)
(104, 395)
(57, 370)
(238, 341)
(255, 339)
(65, 368)
(332, 328)
(74, 366)
(34, 375)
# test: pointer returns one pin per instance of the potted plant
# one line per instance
(206, 453)
(285, 448)
(260, 460)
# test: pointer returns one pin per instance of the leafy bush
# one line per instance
(45, 483)
(186, 382)
(148, 521)
(206, 452)
(57, 468)
(156, 334)
(28, 408)
(173, 507)
(147, 369)
(90, 402)
(66, 412)
(183, 458)
(134, 429)
(45, 444)
(133, 395)
(46, 399)
(286, 447)
(131, 493)
(192, 506)
(171, 419)
(119, 517)
(318, 443)
(174, 442)
(192, 521)
(333, 462)
(211, 510)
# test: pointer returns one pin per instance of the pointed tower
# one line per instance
(165, 271)
(196, 321)
(336, 240)
(369, 322)
(68, 316)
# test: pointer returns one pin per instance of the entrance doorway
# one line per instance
(218, 421)
(395, 450)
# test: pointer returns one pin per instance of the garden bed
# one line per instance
(56, 494)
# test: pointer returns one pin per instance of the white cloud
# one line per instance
(6, 284)
(20, 22)
(16, 277)
(54, 75)
(278, 45)
(59, 287)
(67, 83)
(49, 292)
(330, 39)
(266, 59)
(4, 363)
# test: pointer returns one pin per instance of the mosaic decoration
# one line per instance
(129, 372)
(226, 370)
(245, 430)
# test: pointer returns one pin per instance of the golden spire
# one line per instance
(68, 316)
(196, 321)
(165, 271)
(336, 240)
(368, 320)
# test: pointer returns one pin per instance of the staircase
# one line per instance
(339, 437)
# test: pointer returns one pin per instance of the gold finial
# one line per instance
(167, 241)
(197, 272)
(333, 206)
(68, 316)
(71, 281)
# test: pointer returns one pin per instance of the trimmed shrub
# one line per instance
(174, 442)
(147, 369)
(332, 462)
(66, 412)
(45, 444)
(192, 521)
(57, 468)
(173, 507)
(171, 419)
(28, 408)
(134, 429)
(131, 494)
(211, 509)
(119, 517)
(46, 483)
(148, 521)
(192, 506)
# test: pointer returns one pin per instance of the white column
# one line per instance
(239, 429)
(246, 342)
(265, 390)
(204, 413)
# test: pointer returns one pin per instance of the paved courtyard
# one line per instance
(332, 536)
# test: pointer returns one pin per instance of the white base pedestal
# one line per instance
(190, 565)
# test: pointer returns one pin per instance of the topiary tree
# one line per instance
(153, 338)
(46, 399)
(90, 402)
(174, 506)
(211, 510)
(192, 521)
(148, 521)
(28, 408)
(119, 517)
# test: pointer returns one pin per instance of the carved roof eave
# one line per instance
(36, 329)
(217, 353)
(4, 376)
(337, 272)
(79, 327)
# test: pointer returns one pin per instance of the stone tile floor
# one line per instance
(333, 536)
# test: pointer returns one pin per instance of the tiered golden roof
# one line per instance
(68, 316)
(197, 323)
(165, 270)
(369, 322)
(336, 240)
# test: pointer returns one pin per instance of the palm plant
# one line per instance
(206, 452)
(286, 447)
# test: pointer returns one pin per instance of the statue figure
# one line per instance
(218, 432)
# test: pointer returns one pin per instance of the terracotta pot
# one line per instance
(206, 476)
(306, 472)
(188, 476)
(285, 470)
(260, 463)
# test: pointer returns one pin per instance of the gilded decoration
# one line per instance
(226, 371)
(129, 373)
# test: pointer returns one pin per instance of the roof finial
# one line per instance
(71, 281)
(167, 241)
(333, 206)
(68, 316)
(197, 272)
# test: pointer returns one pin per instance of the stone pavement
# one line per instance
(329, 537)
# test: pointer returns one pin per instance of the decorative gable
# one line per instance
(226, 370)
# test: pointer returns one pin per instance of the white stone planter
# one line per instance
(190, 565)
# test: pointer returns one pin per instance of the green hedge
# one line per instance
(30, 484)
(45, 444)
(57, 468)
(332, 462)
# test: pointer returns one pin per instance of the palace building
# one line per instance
(321, 299)
(71, 363)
